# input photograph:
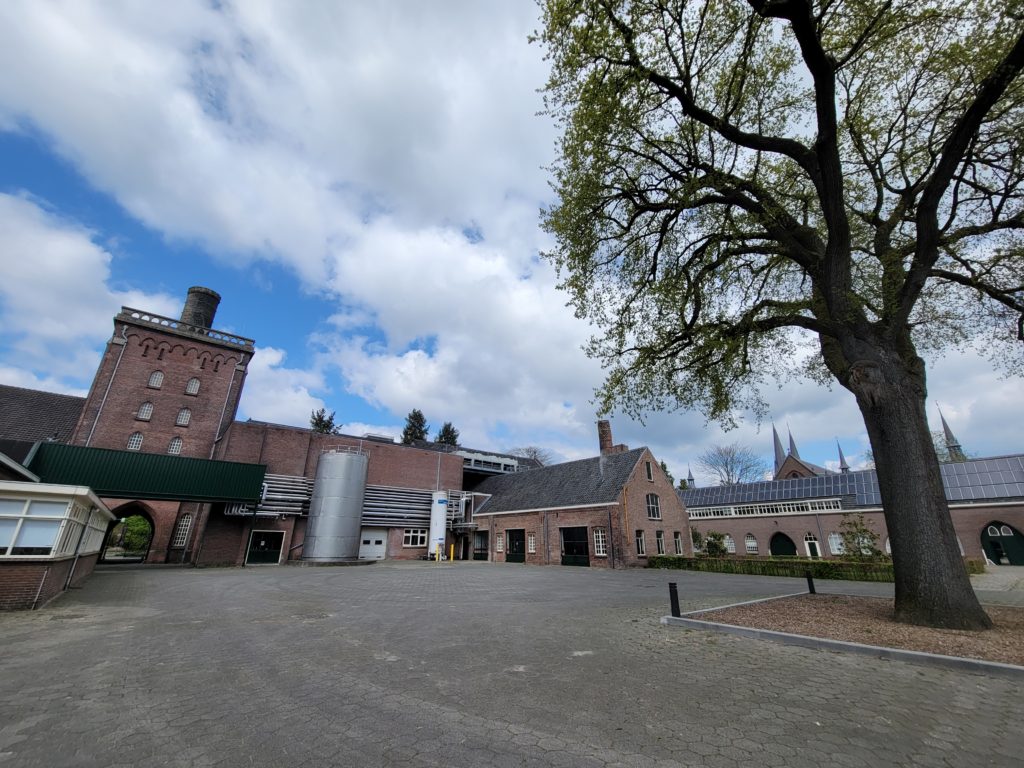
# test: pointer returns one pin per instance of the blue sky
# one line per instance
(362, 187)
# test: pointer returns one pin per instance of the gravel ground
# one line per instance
(868, 620)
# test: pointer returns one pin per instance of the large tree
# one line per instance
(752, 190)
(416, 427)
(323, 422)
(541, 455)
(732, 464)
(448, 435)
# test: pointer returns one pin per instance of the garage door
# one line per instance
(373, 544)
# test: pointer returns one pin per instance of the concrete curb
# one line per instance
(994, 668)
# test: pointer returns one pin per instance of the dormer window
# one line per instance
(184, 417)
(156, 380)
(145, 412)
(192, 388)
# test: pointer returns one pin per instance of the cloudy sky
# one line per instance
(361, 183)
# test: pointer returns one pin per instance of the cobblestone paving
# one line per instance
(461, 665)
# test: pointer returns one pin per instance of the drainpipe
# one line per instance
(110, 382)
(39, 591)
(611, 539)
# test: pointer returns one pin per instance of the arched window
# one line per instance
(174, 447)
(192, 388)
(184, 417)
(145, 412)
(653, 506)
(156, 379)
(835, 544)
(751, 544)
(993, 531)
(182, 529)
(730, 544)
(135, 441)
(1006, 530)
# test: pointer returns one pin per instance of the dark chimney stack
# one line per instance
(200, 307)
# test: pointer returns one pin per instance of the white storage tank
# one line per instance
(438, 525)
(336, 506)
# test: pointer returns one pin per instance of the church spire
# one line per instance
(956, 453)
(690, 482)
(780, 455)
(792, 444)
(843, 466)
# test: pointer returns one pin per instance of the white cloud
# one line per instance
(56, 303)
(279, 394)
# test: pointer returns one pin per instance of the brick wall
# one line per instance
(127, 367)
(545, 527)
(23, 583)
(635, 516)
(162, 514)
(296, 451)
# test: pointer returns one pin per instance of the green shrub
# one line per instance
(778, 566)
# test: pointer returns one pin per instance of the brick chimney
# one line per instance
(200, 307)
(604, 436)
(604, 439)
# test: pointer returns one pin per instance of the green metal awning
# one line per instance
(135, 475)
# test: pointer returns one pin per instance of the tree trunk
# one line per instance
(932, 585)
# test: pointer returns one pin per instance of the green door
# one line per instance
(1003, 544)
(575, 549)
(516, 546)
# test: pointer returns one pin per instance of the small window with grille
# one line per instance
(145, 412)
(174, 447)
(156, 380)
(182, 530)
(192, 388)
(184, 417)
(135, 441)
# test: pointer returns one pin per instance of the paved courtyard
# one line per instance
(461, 664)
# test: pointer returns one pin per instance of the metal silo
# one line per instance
(438, 524)
(336, 507)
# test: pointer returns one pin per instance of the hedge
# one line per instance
(842, 570)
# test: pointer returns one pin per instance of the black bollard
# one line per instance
(810, 582)
(673, 597)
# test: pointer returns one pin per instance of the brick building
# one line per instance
(612, 510)
(800, 511)
(172, 387)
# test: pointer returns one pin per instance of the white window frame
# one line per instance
(641, 544)
(134, 442)
(181, 531)
(750, 542)
(184, 417)
(1005, 530)
(835, 544)
(175, 447)
(531, 544)
(650, 471)
(145, 412)
(77, 524)
(809, 539)
(415, 537)
(659, 540)
(600, 543)
(192, 387)
(156, 380)
(653, 507)
(499, 542)
(677, 540)
(730, 544)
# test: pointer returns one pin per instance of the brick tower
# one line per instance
(164, 385)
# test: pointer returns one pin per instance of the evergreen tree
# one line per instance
(320, 421)
(664, 468)
(416, 427)
(448, 435)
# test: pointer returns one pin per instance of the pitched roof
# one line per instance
(976, 480)
(598, 480)
(31, 415)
